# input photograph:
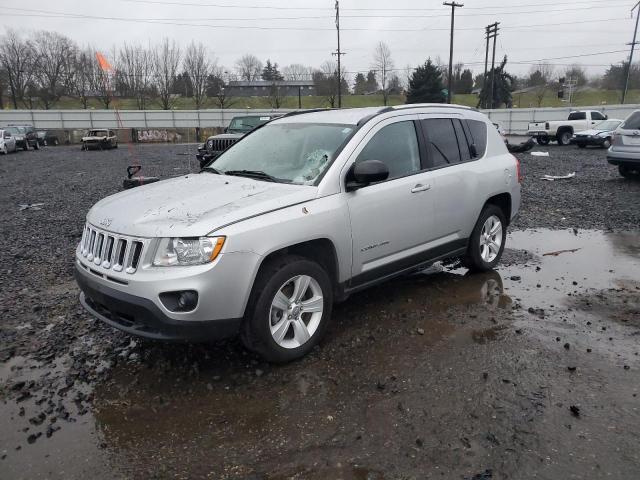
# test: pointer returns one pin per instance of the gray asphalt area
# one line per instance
(529, 371)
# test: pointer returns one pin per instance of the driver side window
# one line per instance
(395, 145)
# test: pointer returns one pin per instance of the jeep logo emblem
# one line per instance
(105, 222)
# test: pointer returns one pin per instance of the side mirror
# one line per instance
(606, 117)
(365, 173)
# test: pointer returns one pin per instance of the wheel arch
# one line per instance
(503, 202)
(319, 250)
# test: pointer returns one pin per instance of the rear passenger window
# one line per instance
(396, 146)
(442, 141)
(478, 132)
(632, 122)
(577, 116)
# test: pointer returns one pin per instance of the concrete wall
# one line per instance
(155, 122)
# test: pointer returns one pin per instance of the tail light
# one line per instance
(616, 139)
(546, 126)
(518, 171)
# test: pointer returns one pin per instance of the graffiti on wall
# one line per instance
(158, 136)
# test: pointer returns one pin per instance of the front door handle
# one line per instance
(420, 188)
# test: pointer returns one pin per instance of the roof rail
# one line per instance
(309, 110)
(364, 120)
(432, 105)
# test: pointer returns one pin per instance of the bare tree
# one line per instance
(220, 92)
(383, 65)
(249, 67)
(166, 61)
(540, 78)
(135, 72)
(52, 65)
(16, 56)
(326, 81)
(297, 72)
(276, 96)
(198, 66)
(82, 73)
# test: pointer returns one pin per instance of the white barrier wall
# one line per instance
(514, 120)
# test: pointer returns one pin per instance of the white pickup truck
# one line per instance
(562, 130)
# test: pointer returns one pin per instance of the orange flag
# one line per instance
(103, 62)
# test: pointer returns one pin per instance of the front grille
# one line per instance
(220, 144)
(110, 251)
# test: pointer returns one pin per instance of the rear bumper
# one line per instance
(617, 157)
(142, 317)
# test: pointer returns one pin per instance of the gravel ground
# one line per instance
(527, 372)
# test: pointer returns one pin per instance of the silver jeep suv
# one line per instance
(300, 213)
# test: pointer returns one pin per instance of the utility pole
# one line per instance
(339, 54)
(493, 63)
(633, 45)
(491, 31)
(453, 6)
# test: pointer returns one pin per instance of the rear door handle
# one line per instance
(420, 188)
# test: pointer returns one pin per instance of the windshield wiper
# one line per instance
(258, 174)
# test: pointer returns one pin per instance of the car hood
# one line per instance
(103, 137)
(593, 131)
(192, 205)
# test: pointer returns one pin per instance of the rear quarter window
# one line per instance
(632, 122)
(478, 131)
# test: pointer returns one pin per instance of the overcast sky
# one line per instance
(283, 31)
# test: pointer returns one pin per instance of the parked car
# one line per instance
(7, 142)
(100, 139)
(625, 147)
(599, 136)
(47, 137)
(303, 211)
(26, 136)
(562, 130)
(238, 128)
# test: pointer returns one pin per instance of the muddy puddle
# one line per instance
(439, 374)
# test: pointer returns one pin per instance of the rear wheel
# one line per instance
(289, 309)
(629, 172)
(564, 137)
(36, 146)
(542, 140)
(487, 240)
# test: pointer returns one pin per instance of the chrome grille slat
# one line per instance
(110, 251)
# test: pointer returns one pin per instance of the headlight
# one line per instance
(187, 251)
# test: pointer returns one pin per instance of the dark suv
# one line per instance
(26, 136)
(237, 129)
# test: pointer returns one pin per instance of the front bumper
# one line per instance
(132, 302)
(597, 141)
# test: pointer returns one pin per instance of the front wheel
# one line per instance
(487, 240)
(606, 143)
(289, 309)
(5, 150)
(36, 146)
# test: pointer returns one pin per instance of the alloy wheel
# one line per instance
(490, 239)
(296, 311)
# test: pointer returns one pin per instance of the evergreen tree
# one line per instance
(270, 72)
(360, 85)
(372, 83)
(502, 88)
(425, 85)
(465, 84)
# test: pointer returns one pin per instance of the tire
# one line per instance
(564, 137)
(480, 256)
(628, 172)
(582, 145)
(26, 146)
(56, 142)
(36, 146)
(606, 143)
(83, 148)
(279, 278)
(115, 145)
(5, 150)
(543, 140)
